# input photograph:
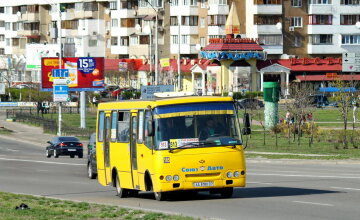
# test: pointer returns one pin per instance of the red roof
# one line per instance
(324, 78)
(305, 64)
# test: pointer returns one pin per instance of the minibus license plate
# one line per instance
(71, 149)
(203, 184)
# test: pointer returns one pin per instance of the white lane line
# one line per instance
(40, 161)
(313, 203)
(297, 175)
(260, 183)
(345, 188)
(12, 150)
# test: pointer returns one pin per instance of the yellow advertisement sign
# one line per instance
(165, 62)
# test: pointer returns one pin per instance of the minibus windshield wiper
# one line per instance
(191, 144)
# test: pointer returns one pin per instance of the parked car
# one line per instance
(320, 101)
(91, 164)
(64, 145)
(250, 103)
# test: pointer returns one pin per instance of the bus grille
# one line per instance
(202, 174)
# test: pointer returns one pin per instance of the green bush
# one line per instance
(127, 95)
(253, 94)
(237, 95)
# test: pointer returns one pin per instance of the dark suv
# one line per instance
(91, 164)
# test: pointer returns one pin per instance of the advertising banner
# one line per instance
(34, 53)
(85, 73)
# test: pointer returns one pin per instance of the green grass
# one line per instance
(74, 119)
(326, 143)
(42, 208)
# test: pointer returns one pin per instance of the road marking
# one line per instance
(345, 188)
(296, 175)
(12, 150)
(40, 161)
(313, 203)
(260, 183)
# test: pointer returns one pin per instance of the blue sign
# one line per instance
(61, 93)
(60, 72)
(86, 65)
(233, 56)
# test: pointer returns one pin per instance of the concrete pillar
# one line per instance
(261, 81)
(203, 82)
(225, 65)
(193, 81)
(253, 75)
(287, 84)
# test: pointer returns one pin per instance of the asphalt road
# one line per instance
(274, 190)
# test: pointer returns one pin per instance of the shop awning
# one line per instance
(335, 89)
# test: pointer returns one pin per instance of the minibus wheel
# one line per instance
(160, 196)
(227, 192)
(121, 192)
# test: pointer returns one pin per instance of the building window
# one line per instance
(2, 10)
(350, 39)
(144, 39)
(349, 19)
(320, 39)
(266, 19)
(68, 24)
(127, 22)
(296, 22)
(268, 2)
(2, 51)
(202, 3)
(92, 42)
(271, 40)
(114, 22)
(202, 22)
(134, 40)
(108, 43)
(124, 41)
(7, 26)
(185, 39)
(154, 3)
(189, 20)
(174, 39)
(190, 2)
(320, 19)
(15, 42)
(296, 3)
(114, 41)
(2, 23)
(216, 20)
(90, 6)
(202, 41)
(174, 21)
(174, 2)
(217, 2)
(2, 37)
(298, 41)
(113, 5)
(320, 2)
(350, 2)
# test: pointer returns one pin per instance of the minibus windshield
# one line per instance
(196, 125)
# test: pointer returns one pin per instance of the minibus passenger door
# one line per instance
(133, 150)
(107, 148)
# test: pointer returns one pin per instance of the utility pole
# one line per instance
(60, 64)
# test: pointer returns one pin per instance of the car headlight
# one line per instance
(176, 177)
(236, 174)
(229, 174)
(168, 178)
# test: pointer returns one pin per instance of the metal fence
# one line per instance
(49, 125)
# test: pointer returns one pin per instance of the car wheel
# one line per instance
(227, 192)
(80, 156)
(72, 156)
(121, 192)
(55, 154)
(160, 196)
(48, 154)
(91, 173)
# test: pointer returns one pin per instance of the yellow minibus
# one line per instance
(170, 144)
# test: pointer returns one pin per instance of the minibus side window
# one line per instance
(123, 134)
(140, 127)
(147, 139)
(101, 127)
(114, 119)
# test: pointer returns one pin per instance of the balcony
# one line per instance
(267, 9)
(184, 49)
(321, 9)
(184, 30)
(216, 30)
(324, 49)
(85, 14)
(325, 29)
(218, 10)
(267, 29)
(184, 10)
(119, 49)
(30, 17)
(123, 13)
(29, 33)
(278, 49)
(348, 9)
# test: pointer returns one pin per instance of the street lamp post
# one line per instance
(60, 64)
(156, 42)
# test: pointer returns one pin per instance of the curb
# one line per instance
(300, 161)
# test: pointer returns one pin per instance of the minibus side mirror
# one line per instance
(150, 126)
(246, 120)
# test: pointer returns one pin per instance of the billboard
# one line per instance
(34, 53)
(85, 73)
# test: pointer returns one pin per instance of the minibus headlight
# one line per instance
(168, 178)
(236, 174)
(229, 174)
(176, 178)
